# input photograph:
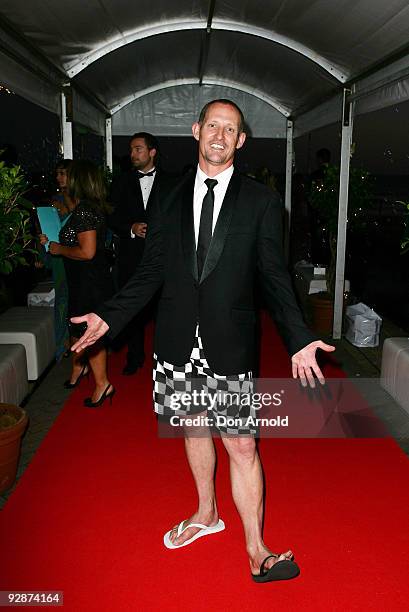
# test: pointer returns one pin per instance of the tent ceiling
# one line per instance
(174, 109)
(289, 53)
(157, 60)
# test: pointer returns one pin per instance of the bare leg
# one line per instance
(97, 357)
(247, 489)
(201, 456)
(77, 363)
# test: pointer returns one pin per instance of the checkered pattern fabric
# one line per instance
(170, 381)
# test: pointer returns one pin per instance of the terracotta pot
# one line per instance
(13, 422)
(322, 313)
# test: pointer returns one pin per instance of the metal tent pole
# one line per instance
(288, 185)
(66, 122)
(346, 142)
(108, 143)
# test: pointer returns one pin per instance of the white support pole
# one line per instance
(108, 143)
(346, 142)
(66, 128)
(288, 186)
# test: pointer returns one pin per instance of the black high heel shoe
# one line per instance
(69, 385)
(90, 404)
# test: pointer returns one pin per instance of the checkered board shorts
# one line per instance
(169, 380)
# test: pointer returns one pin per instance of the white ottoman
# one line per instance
(402, 380)
(13, 374)
(392, 348)
(395, 369)
(34, 329)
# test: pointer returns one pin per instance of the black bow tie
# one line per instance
(142, 175)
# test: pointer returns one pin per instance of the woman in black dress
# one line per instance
(82, 245)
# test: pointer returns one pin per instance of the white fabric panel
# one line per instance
(27, 74)
(254, 62)
(143, 64)
(25, 83)
(281, 73)
(35, 89)
(324, 114)
(67, 31)
(172, 111)
(388, 95)
(87, 114)
(352, 34)
(387, 87)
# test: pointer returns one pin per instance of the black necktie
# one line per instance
(142, 175)
(206, 225)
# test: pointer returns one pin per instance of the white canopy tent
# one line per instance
(291, 65)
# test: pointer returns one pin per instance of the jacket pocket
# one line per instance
(165, 303)
(241, 315)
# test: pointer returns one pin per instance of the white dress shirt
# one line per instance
(200, 191)
(146, 184)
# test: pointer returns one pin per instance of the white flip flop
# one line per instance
(204, 531)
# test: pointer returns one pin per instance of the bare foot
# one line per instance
(99, 390)
(79, 370)
(257, 559)
(208, 519)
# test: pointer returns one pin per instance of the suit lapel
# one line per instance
(188, 233)
(137, 204)
(154, 189)
(222, 226)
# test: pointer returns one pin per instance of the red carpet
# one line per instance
(89, 514)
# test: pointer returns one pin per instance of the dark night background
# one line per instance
(379, 274)
(380, 141)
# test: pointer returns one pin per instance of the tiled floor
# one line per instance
(47, 398)
(43, 405)
(365, 363)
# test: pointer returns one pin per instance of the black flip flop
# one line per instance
(282, 570)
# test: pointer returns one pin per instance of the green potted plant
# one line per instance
(16, 242)
(16, 239)
(15, 235)
(323, 197)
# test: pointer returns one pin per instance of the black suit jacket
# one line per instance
(246, 247)
(126, 197)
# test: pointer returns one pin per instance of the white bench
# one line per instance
(34, 329)
(395, 370)
(13, 374)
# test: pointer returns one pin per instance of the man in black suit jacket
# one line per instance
(206, 313)
(132, 195)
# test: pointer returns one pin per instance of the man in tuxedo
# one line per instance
(132, 194)
(208, 239)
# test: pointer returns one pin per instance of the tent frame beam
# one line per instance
(50, 73)
(373, 70)
(193, 81)
(288, 186)
(378, 66)
(177, 26)
(108, 144)
(66, 123)
(18, 37)
(346, 144)
(204, 51)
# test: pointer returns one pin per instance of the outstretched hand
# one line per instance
(305, 364)
(96, 327)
